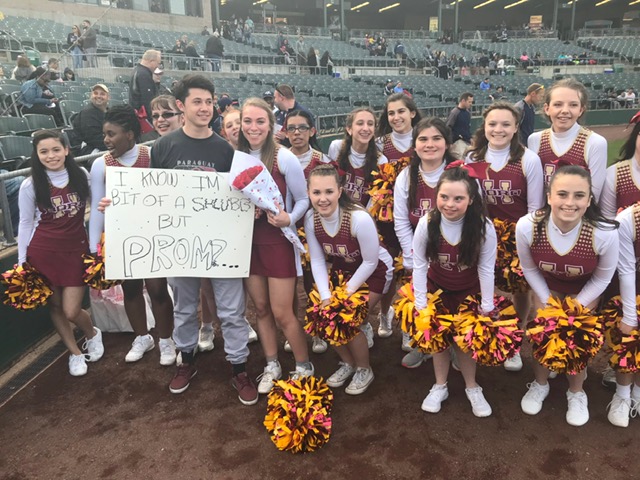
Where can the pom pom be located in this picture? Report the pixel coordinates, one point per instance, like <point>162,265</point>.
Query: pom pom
<point>625,356</point>
<point>508,274</point>
<point>381,190</point>
<point>490,339</point>
<point>299,414</point>
<point>398,268</point>
<point>247,176</point>
<point>565,335</point>
<point>94,269</point>
<point>305,259</point>
<point>26,288</point>
<point>339,322</point>
<point>430,329</point>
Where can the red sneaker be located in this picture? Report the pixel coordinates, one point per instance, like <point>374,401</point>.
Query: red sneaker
<point>184,374</point>
<point>247,391</point>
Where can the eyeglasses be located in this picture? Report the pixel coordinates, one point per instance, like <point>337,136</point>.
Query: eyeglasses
<point>165,115</point>
<point>299,128</point>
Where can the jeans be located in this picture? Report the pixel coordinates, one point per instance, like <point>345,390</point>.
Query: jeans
<point>215,62</point>
<point>92,58</point>
<point>76,53</point>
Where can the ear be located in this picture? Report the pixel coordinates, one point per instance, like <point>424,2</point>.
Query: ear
<point>413,114</point>
<point>312,132</point>
<point>180,105</point>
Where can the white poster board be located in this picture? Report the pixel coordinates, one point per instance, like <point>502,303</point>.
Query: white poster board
<point>175,223</point>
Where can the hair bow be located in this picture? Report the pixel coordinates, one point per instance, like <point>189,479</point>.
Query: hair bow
<point>476,170</point>
<point>335,165</point>
<point>634,119</point>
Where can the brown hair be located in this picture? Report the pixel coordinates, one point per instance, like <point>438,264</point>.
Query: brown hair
<point>572,84</point>
<point>481,143</point>
<point>269,149</point>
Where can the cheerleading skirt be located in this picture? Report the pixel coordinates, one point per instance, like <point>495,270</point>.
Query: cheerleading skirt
<point>274,260</point>
<point>452,298</point>
<point>61,269</point>
<point>389,238</point>
<point>378,282</point>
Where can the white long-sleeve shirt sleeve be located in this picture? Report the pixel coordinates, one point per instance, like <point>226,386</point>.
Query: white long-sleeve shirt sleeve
<point>535,180</point>
<point>317,258</point>
<point>608,201</point>
<point>401,222</point>
<point>96,218</point>
<point>420,263</point>
<point>627,268</point>
<point>296,184</point>
<point>334,149</point>
<point>606,246</point>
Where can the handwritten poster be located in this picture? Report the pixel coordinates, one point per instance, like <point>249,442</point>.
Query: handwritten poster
<point>175,223</point>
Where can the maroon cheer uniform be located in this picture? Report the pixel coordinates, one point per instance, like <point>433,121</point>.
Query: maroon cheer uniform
<point>576,155</point>
<point>426,200</point>
<point>390,151</point>
<point>505,192</point>
<point>627,192</point>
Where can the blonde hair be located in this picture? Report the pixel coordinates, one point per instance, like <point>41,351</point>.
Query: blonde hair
<point>151,55</point>
<point>269,149</point>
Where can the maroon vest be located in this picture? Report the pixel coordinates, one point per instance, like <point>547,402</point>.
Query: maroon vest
<point>447,274</point>
<point>505,192</point>
<point>570,272</point>
<point>390,151</point>
<point>426,200</point>
<point>143,160</point>
<point>627,192</point>
<point>636,242</point>
<point>356,186</point>
<point>343,249</point>
<point>316,159</point>
<point>263,232</point>
<point>61,227</point>
<point>576,155</point>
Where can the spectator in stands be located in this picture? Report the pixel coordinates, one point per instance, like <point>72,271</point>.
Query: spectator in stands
<point>627,98</point>
<point>249,27</point>
<point>280,39</point>
<point>205,31</point>
<point>87,124</point>
<point>237,33</point>
<point>89,43</point>
<point>2,75</point>
<point>214,51</point>
<point>493,64</point>
<point>37,97</point>
<point>483,64</point>
<point>23,69</point>
<point>498,94</point>
<point>192,53</point>
<point>223,105</point>
<point>398,88</point>
<point>184,41</point>
<point>427,54</point>
<point>268,97</point>
<point>326,63</point>
<point>301,53</point>
<point>68,75</point>
<point>312,61</point>
<point>459,121</point>
<point>13,190</point>
<point>527,109</point>
<point>74,47</point>
<point>389,87</point>
<point>177,48</point>
<point>142,87</point>
<point>398,50</point>
<point>524,59</point>
<point>53,65</point>
<point>443,66</point>
<point>485,85</point>
<point>286,102</point>
<point>157,79</point>
<point>501,66</point>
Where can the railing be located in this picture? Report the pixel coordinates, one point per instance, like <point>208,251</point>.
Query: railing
<point>292,29</point>
<point>608,32</point>
<point>358,34</point>
<point>511,34</point>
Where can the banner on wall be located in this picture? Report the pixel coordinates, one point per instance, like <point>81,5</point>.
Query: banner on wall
<point>433,24</point>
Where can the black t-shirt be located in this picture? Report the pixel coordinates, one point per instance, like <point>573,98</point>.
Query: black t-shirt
<point>178,151</point>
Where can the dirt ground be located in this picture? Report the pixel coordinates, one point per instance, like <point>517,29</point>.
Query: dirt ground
<point>121,422</point>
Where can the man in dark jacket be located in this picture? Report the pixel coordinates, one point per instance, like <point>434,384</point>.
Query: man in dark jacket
<point>214,50</point>
<point>89,43</point>
<point>142,88</point>
<point>87,124</point>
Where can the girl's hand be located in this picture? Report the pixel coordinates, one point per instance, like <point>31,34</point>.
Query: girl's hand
<point>325,302</point>
<point>280,220</point>
<point>103,204</point>
<point>257,213</point>
<point>625,329</point>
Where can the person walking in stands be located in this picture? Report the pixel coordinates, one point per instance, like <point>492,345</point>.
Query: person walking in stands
<point>527,109</point>
<point>341,231</point>
<point>52,238</point>
<point>214,51</point>
<point>459,121</point>
<point>142,87</point>
<point>358,156</point>
<point>454,250</point>
<point>73,43</point>
<point>512,185</point>
<point>273,271</point>
<point>89,43</point>
<point>568,234</point>
<point>121,135</point>
<point>567,142</point>
<point>414,196</point>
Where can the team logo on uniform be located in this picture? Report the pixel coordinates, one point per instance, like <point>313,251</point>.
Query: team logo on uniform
<point>501,193</point>
<point>444,259</point>
<point>423,208</point>
<point>549,170</point>
<point>340,251</point>
<point>569,270</point>
<point>354,186</point>
<point>70,207</point>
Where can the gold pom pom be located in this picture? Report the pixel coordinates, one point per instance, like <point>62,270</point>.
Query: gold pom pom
<point>565,335</point>
<point>26,288</point>
<point>508,272</point>
<point>490,339</point>
<point>339,322</point>
<point>94,269</point>
<point>299,414</point>
<point>625,349</point>
<point>305,260</point>
<point>381,190</point>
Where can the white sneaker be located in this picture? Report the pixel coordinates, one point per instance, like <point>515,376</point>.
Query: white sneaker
<point>271,373</point>
<point>340,376</point>
<point>141,345</point>
<point>205,340</point>
<point>167,351</point>
<point>609,377</point>
<point>578,408</point>
<point>414,358</point>
<point>552,375</point>
<point>287,347</point>
<point>385,328</point>
<point>301,372</point>
<point>619,411</point>
<point>318,345</point>
<point>513,364</point>
<point>635,402</point>
<point>433,402</point>
<point>367,329</point>
<point>479,404</point>
<point>253,335</point>
<point>531,403</point>
<point>406,345</point>
<point>360,381</point>
<point>94,346</point>
<point>77,365</point>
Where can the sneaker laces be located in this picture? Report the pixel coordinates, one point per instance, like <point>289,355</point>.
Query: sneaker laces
<point>360,375</point>
<point>578,400</point>
<point>616,405</point>
<point>475,396</point>
<point>242,381</point>
<point>635,408</point>
<point>537,391</point>
<point>269,373</point>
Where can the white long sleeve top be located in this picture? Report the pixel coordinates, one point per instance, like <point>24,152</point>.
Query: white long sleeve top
<point>402,141</point>
<point>627,267</point>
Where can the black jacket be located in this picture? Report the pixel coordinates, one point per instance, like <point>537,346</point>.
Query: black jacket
<point>142,89</point>
<point>87,127</point>
<point>214,46</point>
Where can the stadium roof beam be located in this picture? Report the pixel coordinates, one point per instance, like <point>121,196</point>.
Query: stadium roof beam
<point>515,4</point>
<point>357,7</point>
<point>480,5</point>
<point>389,7</point>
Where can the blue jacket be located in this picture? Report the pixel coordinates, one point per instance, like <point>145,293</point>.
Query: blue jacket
<point>31,93</point>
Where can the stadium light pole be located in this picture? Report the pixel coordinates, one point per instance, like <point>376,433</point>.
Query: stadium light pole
<point>342,30</point>
<point>440,16</point>
<point>216,11</point>
<point>455,23</point>
<point>573,15</point>
<point>554,25</point>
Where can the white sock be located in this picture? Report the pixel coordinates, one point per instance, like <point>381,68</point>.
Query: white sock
<point>623,391</point>
<point>207,327</point>
<point>636,391</point>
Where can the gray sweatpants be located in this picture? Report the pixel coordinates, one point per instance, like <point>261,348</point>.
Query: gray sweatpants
<point>230,303</point>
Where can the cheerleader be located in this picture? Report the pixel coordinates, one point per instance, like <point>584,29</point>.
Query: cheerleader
<point>395,128</point>
<point>566,249</point>
<point>342,231</point>
<point>622,183</point>
<point>512,184</point>
<point>454,250</point>
<point>273,273</point>
<point>121,133</point>
<point>415,194</point>
<point>52,238</point>
<point>625,399</point>
<point>567,142</point>
<point>357,156</point>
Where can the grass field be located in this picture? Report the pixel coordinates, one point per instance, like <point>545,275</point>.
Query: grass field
<point>614,149</point>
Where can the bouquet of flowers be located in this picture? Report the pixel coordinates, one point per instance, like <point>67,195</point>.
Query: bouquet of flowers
<point>249,176</point>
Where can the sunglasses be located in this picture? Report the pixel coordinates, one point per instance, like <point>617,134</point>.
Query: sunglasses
<point>165,115</point>
<point>299,128</point>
